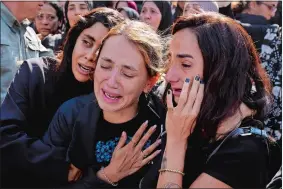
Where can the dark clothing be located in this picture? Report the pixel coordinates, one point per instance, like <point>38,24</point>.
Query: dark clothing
<point>76,128</point>
<point>166,17</point>
<point>240,162</point>
<point>256,26</point>
<point>32,100</point>
<point>227,11</point>
<point>178,13</point>
<point>54,42</point>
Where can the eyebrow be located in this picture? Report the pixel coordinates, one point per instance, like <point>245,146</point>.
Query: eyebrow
<point>90,37</point>
<point>185,56</point>
<point>124,66</point>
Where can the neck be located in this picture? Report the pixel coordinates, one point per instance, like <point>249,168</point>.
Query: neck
<point>14,8</point>
<point>121,116</point>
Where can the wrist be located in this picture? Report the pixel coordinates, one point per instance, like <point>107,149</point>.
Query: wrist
<point>111,174</point>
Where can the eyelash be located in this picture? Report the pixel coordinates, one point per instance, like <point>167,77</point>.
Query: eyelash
<point>108,68</point>
<point>86,42</point>
<point>186,65</point>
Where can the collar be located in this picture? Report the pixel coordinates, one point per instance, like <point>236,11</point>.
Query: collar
<point>7,16</point>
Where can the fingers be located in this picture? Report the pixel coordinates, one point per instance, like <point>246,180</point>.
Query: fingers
<point>145,138</point>
<point>73,173</point>
<point>169,100</point>
<point>151,157</point>
<point>152,147</point>
<point>122,141</point>
<point>198,101</point>
<point>184,95</point>
<point>192,95</point>
<point>138,134</point>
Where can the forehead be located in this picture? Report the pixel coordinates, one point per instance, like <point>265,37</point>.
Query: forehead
<point>97,31</point>
<point>271,2</point>
<point>46,8</point>
<point>129,54</point>
<point>76,3</point>
<point>183,41</point>
<point>150,4</point>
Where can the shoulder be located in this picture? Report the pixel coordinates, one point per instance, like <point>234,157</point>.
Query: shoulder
<point>240,162</point>
<point>77,104</point>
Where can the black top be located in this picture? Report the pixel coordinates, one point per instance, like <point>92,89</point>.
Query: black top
<point>107,137</point>
<point>241,162</point>
<point>32,99</point>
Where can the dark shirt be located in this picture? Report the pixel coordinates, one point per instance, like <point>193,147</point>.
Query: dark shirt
<point>241,162</point>
<point>107,137</point>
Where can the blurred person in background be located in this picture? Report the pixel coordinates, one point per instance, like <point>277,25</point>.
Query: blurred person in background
<point>179,10</point>
<point>72,11</point>
<point>130,4</point>
<point>255,17</point>
<point>196,7</point>
<point>49,20</point>
<point>129,13</point>
<point>158,15</point>
<point>48,25</point>
<point>18,41</point>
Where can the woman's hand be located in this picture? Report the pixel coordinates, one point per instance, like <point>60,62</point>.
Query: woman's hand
<point>180,120</point>
<point>74,173</point>
<point>127,159</point>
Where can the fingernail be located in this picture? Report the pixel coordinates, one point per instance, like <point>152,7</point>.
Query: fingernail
<point>154,127</point>
<point>201,82</point>
<point>187,80</point>
<point>123,133</point>
<point>197,78</point>
<point>146,122</point>
<point>158,151</point>
<point>159,141</point>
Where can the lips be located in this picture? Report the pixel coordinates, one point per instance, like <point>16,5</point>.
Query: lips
<point>85,70</point>
<point>176,91</point>
<point>111,97</point>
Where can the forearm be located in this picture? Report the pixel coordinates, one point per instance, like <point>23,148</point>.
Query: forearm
<point>173,159</point>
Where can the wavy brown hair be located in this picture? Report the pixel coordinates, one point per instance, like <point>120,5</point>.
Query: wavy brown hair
<point>231,68</point>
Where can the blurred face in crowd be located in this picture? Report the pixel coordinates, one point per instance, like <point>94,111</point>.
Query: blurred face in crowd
<point>122,4</point>
<point>46,22</point>
<point>120,76</point>
<point>264,8</point>
<point>186,60</point>
<point>85,49</point>
<point>75,9</point>
<point>151,15</point>
<point>191,8</point>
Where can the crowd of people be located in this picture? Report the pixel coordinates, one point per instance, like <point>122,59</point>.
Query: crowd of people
<point>141,94</point>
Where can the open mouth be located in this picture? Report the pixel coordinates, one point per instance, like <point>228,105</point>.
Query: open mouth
<point>85,69</point>
<point>111,96</point>
<point>176,91</point>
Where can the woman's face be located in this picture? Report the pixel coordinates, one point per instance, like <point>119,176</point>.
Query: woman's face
<point>85,49</point>
<point>75,9</point>
<point>120,76</point>
<point>46,22</point>
<point>122,4</point>
<point>151,14</point>
<point>186,60</point>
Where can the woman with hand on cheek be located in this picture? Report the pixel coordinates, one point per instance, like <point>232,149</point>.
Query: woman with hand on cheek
<point>231,91</point>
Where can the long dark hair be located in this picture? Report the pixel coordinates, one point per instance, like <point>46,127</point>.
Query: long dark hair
<point>231,69</point>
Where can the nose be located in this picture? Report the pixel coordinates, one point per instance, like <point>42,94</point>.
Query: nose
<point>112,81</point>
<point>90,56</point>
<point>172,76</point>
<point>45,21</point>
